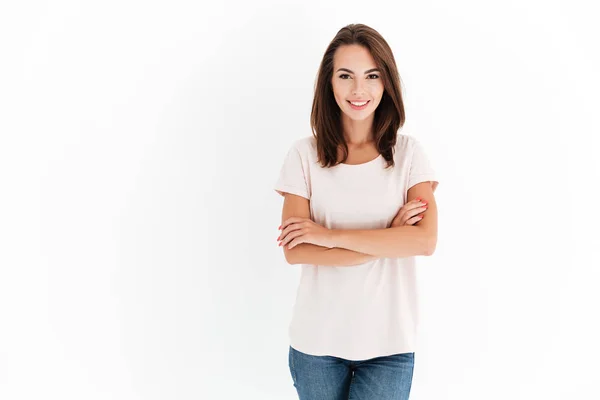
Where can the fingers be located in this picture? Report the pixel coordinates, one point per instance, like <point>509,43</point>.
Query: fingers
<point>415,203</point>
<point>294,220</point>
<point>414,220</point>
<point>408,213</point>
<point>291,227</point>
<point>290,236</point>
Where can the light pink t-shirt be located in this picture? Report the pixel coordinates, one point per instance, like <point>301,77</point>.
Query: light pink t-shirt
<point>367,310</point>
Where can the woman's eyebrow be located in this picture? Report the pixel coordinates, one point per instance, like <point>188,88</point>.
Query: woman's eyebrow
<point>366,72</point>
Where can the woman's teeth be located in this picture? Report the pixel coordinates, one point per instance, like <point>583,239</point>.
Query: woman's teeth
<point>358,105</point>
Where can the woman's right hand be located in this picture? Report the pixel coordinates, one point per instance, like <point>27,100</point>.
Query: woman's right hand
<point>409,213</point>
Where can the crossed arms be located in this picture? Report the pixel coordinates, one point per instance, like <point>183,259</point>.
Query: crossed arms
<point>357,246</point>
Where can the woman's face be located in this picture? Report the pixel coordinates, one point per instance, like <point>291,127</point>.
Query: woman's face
<point>357,79</point>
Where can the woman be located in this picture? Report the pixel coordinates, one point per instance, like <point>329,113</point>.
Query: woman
<point>358,208</point>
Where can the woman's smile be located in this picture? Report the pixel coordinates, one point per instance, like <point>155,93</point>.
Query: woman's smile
<point>359,105</point>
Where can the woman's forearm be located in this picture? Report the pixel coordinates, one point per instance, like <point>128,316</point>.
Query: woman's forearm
<point>308,253</point>
<point>399,241</point>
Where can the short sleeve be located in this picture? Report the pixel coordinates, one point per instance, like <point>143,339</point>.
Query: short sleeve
<point>421,168</point>
<point>293,177</point>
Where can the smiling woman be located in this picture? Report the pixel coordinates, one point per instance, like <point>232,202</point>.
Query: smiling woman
<point>348,87</point>
<point>356,309</point>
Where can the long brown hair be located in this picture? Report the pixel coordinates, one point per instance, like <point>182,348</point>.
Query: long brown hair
<point>325,118</point>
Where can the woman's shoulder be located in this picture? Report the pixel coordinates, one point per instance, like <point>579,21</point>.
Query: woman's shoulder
<point>404,144</point>
<point>404,140</point>
<point>308,140</point>
<point>306,145</point>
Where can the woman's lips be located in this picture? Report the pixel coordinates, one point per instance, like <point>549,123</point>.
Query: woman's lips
<point>357,107</point>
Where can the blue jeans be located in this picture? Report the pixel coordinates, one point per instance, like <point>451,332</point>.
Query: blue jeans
<point>334,378</point>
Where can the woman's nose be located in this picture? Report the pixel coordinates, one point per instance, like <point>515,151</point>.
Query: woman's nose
<point>356,90</point>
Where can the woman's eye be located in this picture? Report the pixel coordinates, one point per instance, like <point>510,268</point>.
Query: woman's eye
<point>374,75</point>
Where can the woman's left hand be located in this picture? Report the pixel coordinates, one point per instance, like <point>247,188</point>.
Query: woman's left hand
<point>296,230</point>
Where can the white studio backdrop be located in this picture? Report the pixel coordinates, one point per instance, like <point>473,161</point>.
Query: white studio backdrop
<point>139,145</point>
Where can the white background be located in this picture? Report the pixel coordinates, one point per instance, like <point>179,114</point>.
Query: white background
<point>140,141</point>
